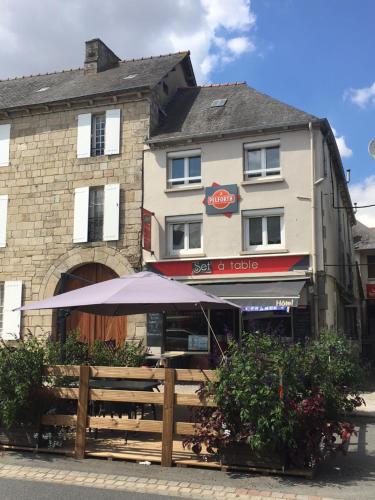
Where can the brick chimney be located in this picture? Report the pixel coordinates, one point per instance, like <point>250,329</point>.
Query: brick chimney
<point>99,57</point>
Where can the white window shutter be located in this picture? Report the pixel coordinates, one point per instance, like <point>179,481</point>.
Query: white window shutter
<point>81,215</point>
<point>111,212</point>
<point>11,318</point>
<point>4,144</point>
<point>3,220</point>
<point>84,136</point>
<point>112,132</point>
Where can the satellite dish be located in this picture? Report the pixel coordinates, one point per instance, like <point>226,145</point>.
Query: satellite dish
<point>371,148</point>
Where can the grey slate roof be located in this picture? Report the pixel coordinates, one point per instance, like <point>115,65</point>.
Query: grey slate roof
<point>189,113</point>
<point>364,237</point>
<point>74,84</point>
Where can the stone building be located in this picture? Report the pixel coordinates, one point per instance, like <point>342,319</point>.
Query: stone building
<point>71,166</point>
<point>249,200</point>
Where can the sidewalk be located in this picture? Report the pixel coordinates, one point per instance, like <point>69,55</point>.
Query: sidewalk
<point>342,477</point>
<point>369,409</point>
<point>163,487</point>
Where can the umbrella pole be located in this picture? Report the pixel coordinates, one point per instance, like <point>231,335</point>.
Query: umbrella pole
<point>212,331</point>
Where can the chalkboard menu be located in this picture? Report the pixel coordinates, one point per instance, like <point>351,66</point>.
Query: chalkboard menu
<point>301,324</point>
<point>154,329</point>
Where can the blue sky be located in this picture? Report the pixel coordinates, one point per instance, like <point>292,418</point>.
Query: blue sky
<point>314,54</point>
<point>310,54</point>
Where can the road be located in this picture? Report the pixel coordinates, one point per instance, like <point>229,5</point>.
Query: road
<point>33,490</point>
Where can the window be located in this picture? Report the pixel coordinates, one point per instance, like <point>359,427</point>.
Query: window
<point>1,309</point>
<point>263,229</point>
<point>184,168</point>
<point>98,135</point>
<point>4,144</point>
<point>186,332</point>
<point>3,219</point>
<point>184,235</point>
<point>96,214</point>
<point>10,316</point>
<point>218,103</point>
<point>371,266</point>
<point>262,159</point>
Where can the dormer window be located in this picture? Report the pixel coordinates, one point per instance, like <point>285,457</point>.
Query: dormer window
<point>218,103</point>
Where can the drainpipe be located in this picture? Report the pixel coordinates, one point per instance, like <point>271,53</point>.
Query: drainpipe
<point>313,233</point>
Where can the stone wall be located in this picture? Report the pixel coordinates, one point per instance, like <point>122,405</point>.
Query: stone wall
<point>40,182</point>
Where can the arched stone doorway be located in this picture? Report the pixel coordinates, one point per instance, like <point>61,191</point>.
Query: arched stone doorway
<point>93,327</point>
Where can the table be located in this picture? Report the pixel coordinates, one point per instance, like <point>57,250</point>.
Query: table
<point>166,358</point>
<point>124,385</point>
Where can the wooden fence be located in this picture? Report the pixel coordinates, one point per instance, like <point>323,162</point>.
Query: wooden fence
<point>169,399</point>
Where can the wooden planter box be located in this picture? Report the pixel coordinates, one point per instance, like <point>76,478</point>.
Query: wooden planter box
<point>26,437</point>
<point>240,454</point>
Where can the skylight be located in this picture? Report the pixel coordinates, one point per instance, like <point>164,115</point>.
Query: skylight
<point>129,77</point>
<point>217,103</point>
<point>42,89</point>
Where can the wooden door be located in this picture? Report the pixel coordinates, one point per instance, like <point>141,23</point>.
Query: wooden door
<point>91,326</point>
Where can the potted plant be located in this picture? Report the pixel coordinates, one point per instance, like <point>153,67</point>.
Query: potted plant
<point>276,405</point>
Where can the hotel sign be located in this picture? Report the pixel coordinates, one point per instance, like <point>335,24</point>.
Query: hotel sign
<point>221,199</point>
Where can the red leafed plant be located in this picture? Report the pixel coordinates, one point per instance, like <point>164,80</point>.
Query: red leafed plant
<point>287,399</point>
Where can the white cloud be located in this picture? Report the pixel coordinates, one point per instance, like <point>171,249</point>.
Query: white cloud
<point>216,31</point>
<point>239,45</point>
<point>364,194</point>
<point>344,149</point>
<point>362,97</point>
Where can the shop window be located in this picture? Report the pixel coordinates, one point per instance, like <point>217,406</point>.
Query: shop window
<point>371,266</point>
<point>263,229</point>
<point>184,168</point>
<point>187,332</point>
<point>277,323</point>
<point>184,235</point>
<point>262,160</point>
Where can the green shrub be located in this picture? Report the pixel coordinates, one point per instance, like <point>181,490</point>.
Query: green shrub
<point>20,377</point>
<point>72,352</point>
<point>100,353</point>
<point>288,399</point>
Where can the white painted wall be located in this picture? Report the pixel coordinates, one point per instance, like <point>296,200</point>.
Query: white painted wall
<point>222,162</point>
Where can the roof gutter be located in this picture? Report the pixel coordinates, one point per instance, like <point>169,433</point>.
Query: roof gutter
<point>228,133</point>
<point>79,99</point>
